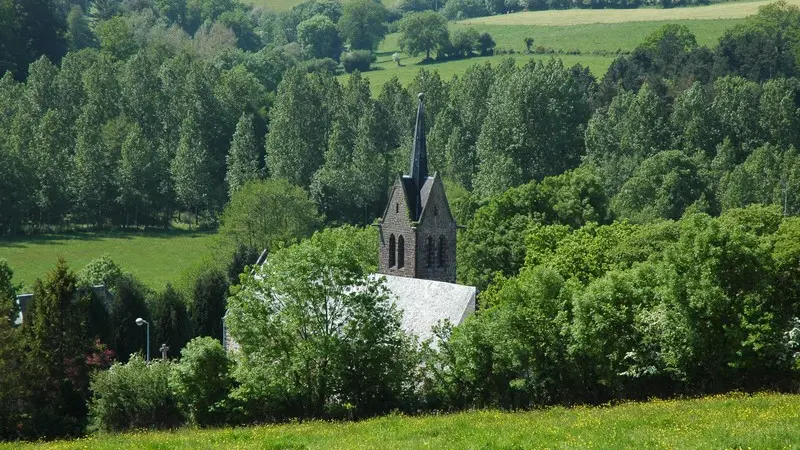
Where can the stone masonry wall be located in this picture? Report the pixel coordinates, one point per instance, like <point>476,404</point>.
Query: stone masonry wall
<point>436,222</point>
<point>397,222</point>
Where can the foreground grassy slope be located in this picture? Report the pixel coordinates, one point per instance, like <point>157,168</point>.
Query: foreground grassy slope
<point>154,257</point>
<point>761,421</point>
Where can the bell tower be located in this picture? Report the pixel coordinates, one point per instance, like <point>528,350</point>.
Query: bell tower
<point>417,231</point>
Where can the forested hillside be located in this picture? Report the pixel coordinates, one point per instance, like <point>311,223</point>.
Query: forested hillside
<point>145,123</point>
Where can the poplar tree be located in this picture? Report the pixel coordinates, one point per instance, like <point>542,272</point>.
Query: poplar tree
<point>243,159</point>
<point>135,174</point>
<point>191,168</point>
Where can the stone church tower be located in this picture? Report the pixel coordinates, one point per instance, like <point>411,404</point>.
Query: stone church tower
<point>417,231</point>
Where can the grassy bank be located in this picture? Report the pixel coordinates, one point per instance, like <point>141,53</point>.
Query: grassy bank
<point>154,257</point>
<point>763,421</point>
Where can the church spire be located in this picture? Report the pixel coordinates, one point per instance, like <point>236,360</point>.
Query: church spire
<point>419,153</point>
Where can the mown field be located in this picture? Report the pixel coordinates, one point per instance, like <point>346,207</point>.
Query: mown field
<point>605,38</point>
<point>154,257</point>
<point>763,421</point>
<point>724,10</point>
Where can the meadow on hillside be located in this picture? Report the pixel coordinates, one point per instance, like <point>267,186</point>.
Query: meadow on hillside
<point>587,39</point>
<point>154,257</point>
<point>733,421</point>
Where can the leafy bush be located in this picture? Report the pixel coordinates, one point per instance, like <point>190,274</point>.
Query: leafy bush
<point>318,336</point>
<point>201,381</point>
<point>134,395</point>
<point>357,60</point>
<point>464,41</point>
<point>102,270</point>
<point>485,44</point>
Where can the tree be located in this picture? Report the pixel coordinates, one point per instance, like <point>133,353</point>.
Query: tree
<point>423,32</point>
<point>12,395</point>
<point>300,124</point>
<point>130,303</point>
<point>267,215</point>
<point>79,34</point>
<point>464,41</point>
<point>243,159</point>
<point>209,296</point>
<point>56,347</point>
<point>321,330</point>
<point>662,187</point>
<point>319,37</point>
<point>102,270</point>
<point>190,168</point>
<point>201,381</point>
<point>137,174</point>
<point>30,29</point>
<point>533,127</point>
<point>363,24</point>
<point>134,395</point>
<point>170,321</point>
<point>528,43</point>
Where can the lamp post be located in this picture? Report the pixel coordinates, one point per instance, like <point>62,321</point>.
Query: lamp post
<point>140,322</point>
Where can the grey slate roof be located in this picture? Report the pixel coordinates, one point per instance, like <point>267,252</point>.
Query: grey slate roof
<point>425,302</point>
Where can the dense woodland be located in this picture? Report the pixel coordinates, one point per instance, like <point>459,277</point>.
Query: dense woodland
<point>632,236</point>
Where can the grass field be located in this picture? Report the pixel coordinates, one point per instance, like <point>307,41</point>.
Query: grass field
<point>726,10</point>
<point>763,421</point>
<point>154,257</point>
<point>608,37</point>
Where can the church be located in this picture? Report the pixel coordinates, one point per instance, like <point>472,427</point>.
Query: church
<point>417,246</point>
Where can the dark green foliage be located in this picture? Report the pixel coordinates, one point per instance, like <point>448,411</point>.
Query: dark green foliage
<point>363,24</point>
<point>494,242</point>
<point>55,376</point>
<point>360,60</point>
<point>28,30</point>
<point>171,324</point>
<point>663,186</point>
<point>209,299</point>
<point>423,32</point>
<point>134,395</point>
<point>243,256</point>
<point>130,303</point>
<point>526,137</point>
<point>319,37</point>
<point>629,311</point>
<point>201,381</point>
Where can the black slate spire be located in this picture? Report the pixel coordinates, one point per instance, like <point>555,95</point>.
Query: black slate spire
<point>419,154</point>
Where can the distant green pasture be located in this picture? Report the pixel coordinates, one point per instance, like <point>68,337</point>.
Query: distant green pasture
<point>154,257</point>
<point>608,37</point>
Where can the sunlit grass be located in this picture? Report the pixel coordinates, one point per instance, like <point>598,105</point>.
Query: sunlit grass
<point>724,10</point>
<point>763,421</point>
<point>154,257</point>
<point>606,39</point>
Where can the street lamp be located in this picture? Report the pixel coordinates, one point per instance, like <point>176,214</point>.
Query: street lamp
<point>140,322</point>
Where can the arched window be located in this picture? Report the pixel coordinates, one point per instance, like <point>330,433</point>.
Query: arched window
<point>401,252</point>
<point>429,252</point>
<point>391,250</point>
<point>442,251</point>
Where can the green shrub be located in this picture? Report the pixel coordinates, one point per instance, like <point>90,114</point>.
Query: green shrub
<point>357,60</point>
<point>201,381</point>
<point>134,395</point>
